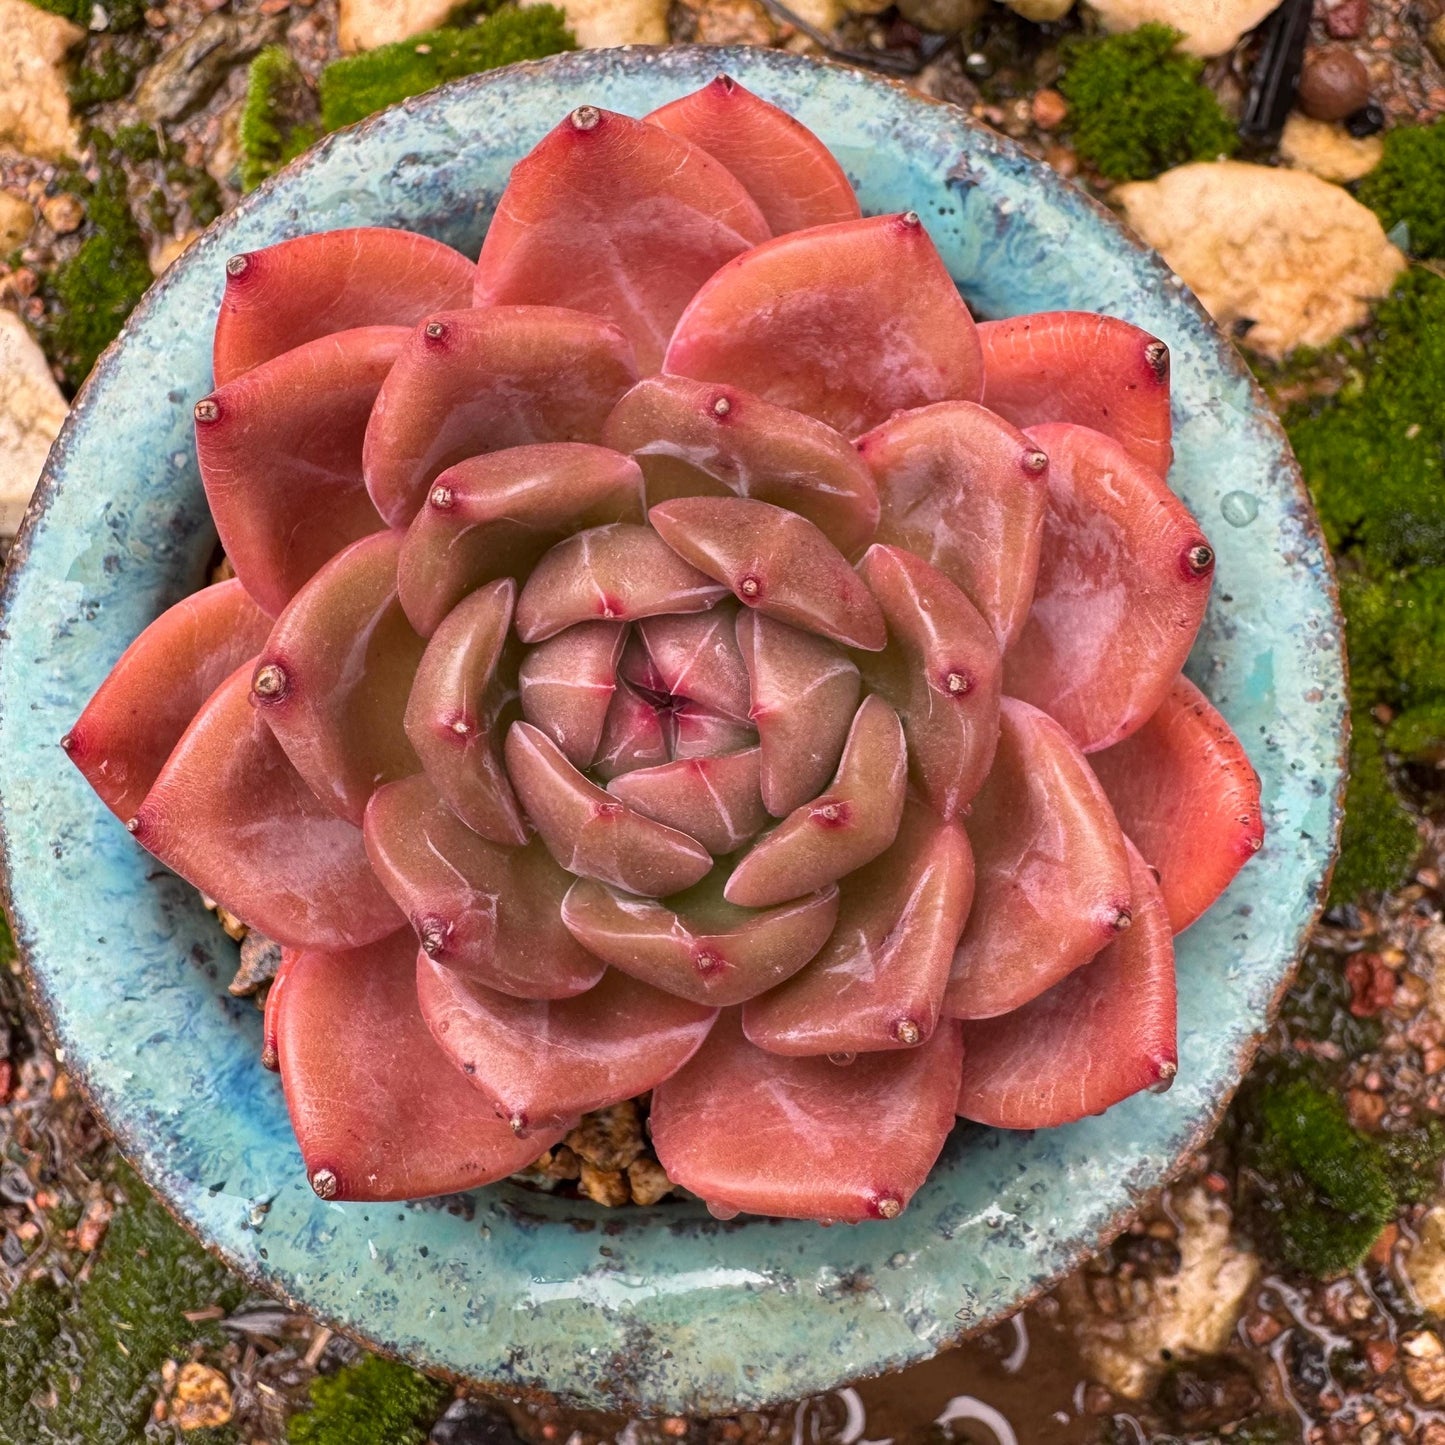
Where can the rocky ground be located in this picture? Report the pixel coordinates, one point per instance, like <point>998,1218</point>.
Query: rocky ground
<point>1291,1285</point>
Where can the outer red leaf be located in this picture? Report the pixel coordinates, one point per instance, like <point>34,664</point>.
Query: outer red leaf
<point>139,712</point>
<point>545,1062</point>
<point>805,1138</point>
<point>612,215</point>
<point>280,455</point>
<point>700,438</point>
<point>379,1110</point>
<point>941,672</point>
<point>1105,1032</point>
<point>1124,575</point>
<point>454,713</point>
<point>333,679</point>
<point>488,911</point>
<point>232,816</point>
<point>966,491</point>
<point>1053,883</point>
<point>788,171</point>
<point>1184,791</point>
<point>470,382</point>
<point>847,323</point>
<point>290,293</point>
<point>1075,366</point>
<point>879,981</point>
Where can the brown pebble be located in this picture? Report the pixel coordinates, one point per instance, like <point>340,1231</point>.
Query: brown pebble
<point>1048,109</point>
<point>63,213</point>
<point>1434,1060</point>
<point>1384,1245</point>
<point>1333,83</point>
<point>609,1139</point>
<point>1063,160</point>
<point>604,1186</point>
<point>1366,1109</point>
<point>648,1179</point>
<point>201,1398</point>
<point>1260,1327</point>
<point>1380,1355</point>
<point>1345,19</point>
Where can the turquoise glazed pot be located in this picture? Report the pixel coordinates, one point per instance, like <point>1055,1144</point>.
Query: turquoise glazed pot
<point>663,1309</point>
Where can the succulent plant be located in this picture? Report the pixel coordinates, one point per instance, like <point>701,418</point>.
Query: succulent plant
<point>683,653</point>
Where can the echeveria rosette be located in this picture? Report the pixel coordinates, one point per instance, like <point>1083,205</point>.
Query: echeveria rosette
<point>683,653</point>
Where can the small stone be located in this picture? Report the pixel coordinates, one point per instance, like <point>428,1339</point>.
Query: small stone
<point>648,1179</point>
<point>598,24</point>
<point>1328,151</point>
<point>1424,1366</point>
<point>17,220</point>
<point>604,1186</point>
<point>200,1398</point>
<point>186,76</point>
<point>1296,258</point>
<point>62,213</point>
<point>470,1422</point>
<point>1041,12</point>
<point>609,1138</point>
<point>1209,27</point>
<point>1370,120</point>
<point>35,114</point>
<point>93,1224</point>
<point>31,411</point>
<point>1063,160</point>
<point>1435,39</point>
<point>170,251</point>
<point>1366,1109</point>
<point>1333,83</point>
<point>260,958</point>
<point>559,1163</point>
<point>724,22</point>
<point>1049,109</point>
<point>943,17</point>
<point>1345,19</point>
<point>1424,1266</point>
<point>1380,1355</point>
<point>365,24</point>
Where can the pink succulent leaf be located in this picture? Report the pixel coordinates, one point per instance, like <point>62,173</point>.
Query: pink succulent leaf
<point>879,981</point>
<point>1124,576</point>
<point>941,671</point>
<point>775,562</point>
<point>1103,1033</point>
<point>636,733</point>
<point>847,825</point>
<point>567,685</point>
<point>494,516</point>
<point>1093,371</point>
<point>485,910</point>
<point>713,798</point>
<point>1184,791</point>
<point>593,834</point>
<point>454,715</point>
<point>230,814</point>
<point>803,693</point>
<point>787,170</point>
<point>966,491</point>
<point>295,291</point>
<point>130,727</point>
<point>805,1138</point>
<point>694,655</point>
<point>846,323</point>
<point>616,573</point>
<point>697,732</point>
<point>280,456</point>
<point>699,438</point>
<point>471,382</point>
<point>542,1063</point>
<point>696,944</point>
<point>333,679</point>
<point>1052,875</point>
<point>611,215</point>
<point>379,1110</point>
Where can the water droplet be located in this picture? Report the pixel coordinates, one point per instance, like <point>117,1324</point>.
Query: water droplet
<point>1240,508</point>
<point>841,1059</point>
<point>721,1211</point>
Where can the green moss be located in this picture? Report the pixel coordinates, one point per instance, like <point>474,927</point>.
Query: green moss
<point>1380,839</point>
<point>108,67</point>
<point>1408,184</point>
<point>1374,456</point>
<point>97,288</point>
<point>278,120</point>
<point>357,87</point>
<point>137,143</point>
<point>29,1329</point>
<point>373,1402</point>
<point>1138,106</point>
<point>1326,1193</point>
<point>1412,1161</point>
<point>122,14</point>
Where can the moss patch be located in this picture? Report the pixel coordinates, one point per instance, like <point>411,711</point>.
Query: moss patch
<point>90,1369</point>
<point>357,87</point>
<point>96,289</point>
<point>107,68</point>
<point>279,119</point>
<point>123,14</point>
<point>1408,184</point>
<point>1326,1191</point>
<point>373,1402</point>
<point>1138,106</point>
